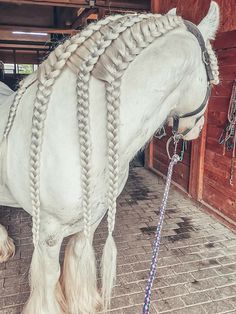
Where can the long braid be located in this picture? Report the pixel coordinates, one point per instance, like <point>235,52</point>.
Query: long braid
<point>142,35</point>
<point>4,144</point>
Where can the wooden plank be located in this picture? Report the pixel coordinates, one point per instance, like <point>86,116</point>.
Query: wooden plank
<point>149,155</point>
<point>217,118</point>
<point>219,199</point>
<point>22,57</point>
<point>140,5</point>
<point>220,105</point>
<point>9,47</point>
<point>26,15</point>
<point>11,28</point>
<point>227,15</point>
<point>162,7</point>
<point>222,90</point>
<point>227,57</point>
<point>180,177</point>
<point>160,148</point>
<point>9,36</point>
<point>225,40</point>
<point>63,3</point>
<point>227,72</point>
<point>198,11</point>
<point>195,187</point>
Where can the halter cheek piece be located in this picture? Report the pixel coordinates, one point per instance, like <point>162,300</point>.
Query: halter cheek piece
<point>192,28</point>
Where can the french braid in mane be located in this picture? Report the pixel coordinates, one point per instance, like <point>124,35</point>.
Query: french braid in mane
<point>3,146</point>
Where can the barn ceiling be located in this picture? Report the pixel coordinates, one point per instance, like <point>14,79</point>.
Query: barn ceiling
<point>38,25</point>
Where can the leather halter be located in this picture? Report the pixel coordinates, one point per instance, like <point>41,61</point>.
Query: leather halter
<point>192,28</point>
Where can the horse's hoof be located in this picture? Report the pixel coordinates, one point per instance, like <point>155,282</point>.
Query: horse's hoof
<point>7,247</point>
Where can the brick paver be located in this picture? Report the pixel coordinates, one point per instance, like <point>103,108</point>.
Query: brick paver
<point>197,263</point>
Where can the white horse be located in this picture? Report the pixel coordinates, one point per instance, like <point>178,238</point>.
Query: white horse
<point>70,131</point>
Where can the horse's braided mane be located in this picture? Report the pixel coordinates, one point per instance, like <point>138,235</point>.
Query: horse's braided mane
<point>105,50</point>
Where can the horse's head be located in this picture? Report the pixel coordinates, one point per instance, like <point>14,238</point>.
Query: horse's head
<point>188,116</point>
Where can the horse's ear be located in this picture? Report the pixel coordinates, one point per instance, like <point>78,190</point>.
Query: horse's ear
<point>172,11</point>
<point>210,23</point>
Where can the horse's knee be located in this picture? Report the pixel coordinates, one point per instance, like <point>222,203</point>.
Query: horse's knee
<point>46,294</point>
<point>7,247</point>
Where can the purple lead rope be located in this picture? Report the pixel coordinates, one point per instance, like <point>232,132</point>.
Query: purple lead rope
<point>156,245</point>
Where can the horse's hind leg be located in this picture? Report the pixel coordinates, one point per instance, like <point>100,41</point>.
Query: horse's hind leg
<point>79,279</point>
<point>46,295</point>
<point>7,247</point>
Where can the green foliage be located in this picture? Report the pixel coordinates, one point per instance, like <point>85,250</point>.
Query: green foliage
<point>25,68</point>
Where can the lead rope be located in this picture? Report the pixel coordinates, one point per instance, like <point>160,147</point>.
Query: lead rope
<point>156,245</point>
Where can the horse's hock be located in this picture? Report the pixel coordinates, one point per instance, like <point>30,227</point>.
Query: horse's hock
<point>197,264</point>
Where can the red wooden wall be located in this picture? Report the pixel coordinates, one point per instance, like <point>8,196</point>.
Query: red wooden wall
<point>205,171</point>
<point>217,190</point>
<point>161,161</point>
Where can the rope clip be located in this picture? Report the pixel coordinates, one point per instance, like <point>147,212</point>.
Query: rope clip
<point>175,138</point>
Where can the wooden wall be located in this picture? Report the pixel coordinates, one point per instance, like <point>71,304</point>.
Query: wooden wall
<point>161,161</point>
<point>217,190</point>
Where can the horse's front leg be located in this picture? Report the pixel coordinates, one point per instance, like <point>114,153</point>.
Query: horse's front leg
<point>79,277</point>
<point>46,296</point>
<point>7,247</point>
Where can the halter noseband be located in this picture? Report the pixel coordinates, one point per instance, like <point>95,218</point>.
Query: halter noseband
<point>192,28</point>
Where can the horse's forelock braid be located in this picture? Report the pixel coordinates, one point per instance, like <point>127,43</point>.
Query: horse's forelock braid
<point>213,63</point>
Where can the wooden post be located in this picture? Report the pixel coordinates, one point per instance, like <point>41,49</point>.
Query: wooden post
<point>155,6</point>
<point>197,164</point>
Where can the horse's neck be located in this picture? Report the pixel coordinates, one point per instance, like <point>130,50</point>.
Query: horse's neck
<point>151,88</point>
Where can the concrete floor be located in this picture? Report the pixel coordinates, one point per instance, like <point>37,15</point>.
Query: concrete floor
<point>197,264</point>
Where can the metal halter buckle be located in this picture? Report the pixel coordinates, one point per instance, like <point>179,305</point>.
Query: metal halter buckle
<point>205,57</point>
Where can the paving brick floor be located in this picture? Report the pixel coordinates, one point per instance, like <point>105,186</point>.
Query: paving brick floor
<point>197,264</point>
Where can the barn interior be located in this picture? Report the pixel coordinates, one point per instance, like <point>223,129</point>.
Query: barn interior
<point>204,182</point>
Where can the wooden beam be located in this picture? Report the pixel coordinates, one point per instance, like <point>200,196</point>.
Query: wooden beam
<point>197,164</point>
<point>10,36</point>
<point>101,13</point>
<point>155,6</point>
<point>21,57</point>
<point>62,3</point>
<point>81,19</point>
<point>16,46</point>
<point>11,28</point>
<point>162,7</point>
<point>137,4</point>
